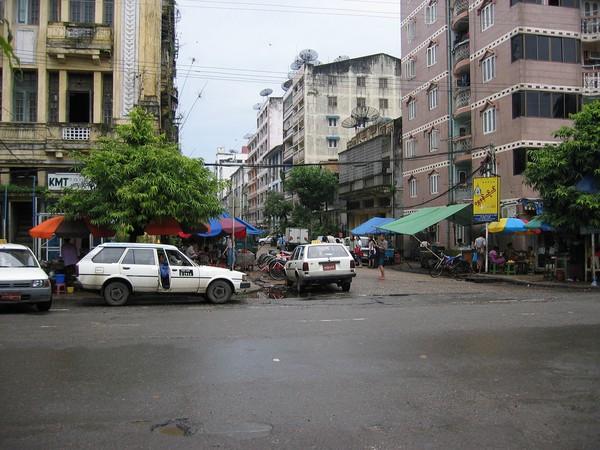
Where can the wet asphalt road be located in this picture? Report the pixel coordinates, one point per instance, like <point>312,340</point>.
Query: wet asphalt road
<point>435,370</point>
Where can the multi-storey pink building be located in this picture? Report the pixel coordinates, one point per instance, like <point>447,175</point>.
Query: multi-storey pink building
<point>488,78</point>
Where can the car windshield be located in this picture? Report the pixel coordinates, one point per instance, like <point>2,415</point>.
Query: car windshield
<point>326,251</point>
<point>17,258</point>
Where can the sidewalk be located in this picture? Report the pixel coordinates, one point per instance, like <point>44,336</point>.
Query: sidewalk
<point>403,280</point>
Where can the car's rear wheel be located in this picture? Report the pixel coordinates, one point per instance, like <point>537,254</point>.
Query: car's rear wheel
<point>44,306</point>
<point>116,294</point>
<point>219,291</point>
<point>300,287</point>
<point>346,285</point>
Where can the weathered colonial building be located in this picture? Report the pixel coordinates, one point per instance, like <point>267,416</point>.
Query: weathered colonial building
<point>83,66</point>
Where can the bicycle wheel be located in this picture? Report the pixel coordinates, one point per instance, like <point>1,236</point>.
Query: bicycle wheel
<point>436,267</point>
<point>463,269</point>
<point>277,270</point>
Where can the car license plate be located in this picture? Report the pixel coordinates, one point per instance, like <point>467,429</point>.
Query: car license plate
<point>10,296</point>
<point>329,266</point>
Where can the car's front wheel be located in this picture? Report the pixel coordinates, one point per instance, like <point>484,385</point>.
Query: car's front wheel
<point>44,306</point>
<point>219,291</point>
<point>116,294</point>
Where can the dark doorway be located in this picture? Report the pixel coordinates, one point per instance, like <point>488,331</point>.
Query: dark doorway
<point>79,107</point>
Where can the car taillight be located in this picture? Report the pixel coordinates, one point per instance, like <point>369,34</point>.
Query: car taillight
<point>352,264</point>
<point>305,267</point>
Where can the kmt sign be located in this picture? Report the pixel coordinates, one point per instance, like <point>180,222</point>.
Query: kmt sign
<point>59,181</point>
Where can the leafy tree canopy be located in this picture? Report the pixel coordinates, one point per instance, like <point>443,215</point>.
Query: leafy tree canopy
<point>137,177</point>
<point>554,170</point>
<point>277,207</point>
<point>313,186</point>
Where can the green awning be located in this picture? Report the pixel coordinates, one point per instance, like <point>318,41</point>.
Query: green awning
<point>425,217</point>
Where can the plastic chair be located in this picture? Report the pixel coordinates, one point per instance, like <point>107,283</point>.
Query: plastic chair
<point>511,269</point>
<point>495,268</point>
<point>61,288</point>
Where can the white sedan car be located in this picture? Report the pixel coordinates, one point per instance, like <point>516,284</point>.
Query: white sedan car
<point>319,264</point>
<point>22,280</point>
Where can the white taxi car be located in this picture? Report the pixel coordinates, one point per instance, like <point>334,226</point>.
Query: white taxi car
<point>117,270</point>
<point>318,264</point>
<point>22,280</point>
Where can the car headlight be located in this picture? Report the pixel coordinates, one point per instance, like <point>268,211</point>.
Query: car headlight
<point>40,283</point>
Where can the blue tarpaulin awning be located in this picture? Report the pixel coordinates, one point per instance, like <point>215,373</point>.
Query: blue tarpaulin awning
<point>371,226</point>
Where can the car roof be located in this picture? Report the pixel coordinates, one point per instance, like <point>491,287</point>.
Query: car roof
<point>137,245</point>
<point>14,246</point>
<point>323,243</point>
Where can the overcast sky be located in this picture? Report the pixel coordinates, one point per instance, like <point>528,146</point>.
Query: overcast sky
<point>229,51</point>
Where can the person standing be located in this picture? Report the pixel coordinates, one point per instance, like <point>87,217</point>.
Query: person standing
<point>372,251</point>
<point>382,248</point>
<point>68,253</point>
<point>480,247</point>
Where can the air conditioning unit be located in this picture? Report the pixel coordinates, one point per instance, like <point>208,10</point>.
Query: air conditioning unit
<point>594,55</point>
<point>509,211</point>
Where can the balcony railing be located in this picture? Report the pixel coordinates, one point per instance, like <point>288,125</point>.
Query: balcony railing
<point>591,78</point>
<point>462,144</point>
<point>461,51</point>
<point>460,6</point>
<point>590,25</point>
<point>82,39</point>
<point>463,193</point>
<point>462,98</point>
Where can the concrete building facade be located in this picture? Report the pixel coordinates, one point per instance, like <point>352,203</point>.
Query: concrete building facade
<point>320,97</point>
<point>83,66</point>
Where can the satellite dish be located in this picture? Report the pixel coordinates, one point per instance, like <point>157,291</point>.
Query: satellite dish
<point>286,85</point>
<point>297,64</point>
<point>341,58</point>
<point>291,75</point>
<point>360,116</point>
<point>308,55</point>
<point>257,106</point>
<point>248,135</point>
<point>266,92</point>
<point>316,62</point>
<point>350,122</point>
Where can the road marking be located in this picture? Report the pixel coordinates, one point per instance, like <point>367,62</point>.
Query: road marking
<point>332,320</point>
<point>48,326</point>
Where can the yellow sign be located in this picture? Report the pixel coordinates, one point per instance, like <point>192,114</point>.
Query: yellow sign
<point>486,199</point>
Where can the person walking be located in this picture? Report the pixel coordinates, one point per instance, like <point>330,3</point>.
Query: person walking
<point>381,251</point>
<point>372,251</point>
<point>480,247</point>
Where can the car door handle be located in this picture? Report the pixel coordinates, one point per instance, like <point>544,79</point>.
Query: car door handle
<point>126,268</point>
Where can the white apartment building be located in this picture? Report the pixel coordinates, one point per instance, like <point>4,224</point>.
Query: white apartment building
<point>265,156</point>
<point>321,97</point>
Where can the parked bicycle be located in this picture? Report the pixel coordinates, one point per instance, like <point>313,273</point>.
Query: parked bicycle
<point>455,266</point>
<point>274,265</point>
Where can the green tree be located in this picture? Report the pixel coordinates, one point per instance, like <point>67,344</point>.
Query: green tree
<point>137,177</point>
<point>277,209</point>
<point>313,185</point>
<point>554,170</point>
<point>6,44</point>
